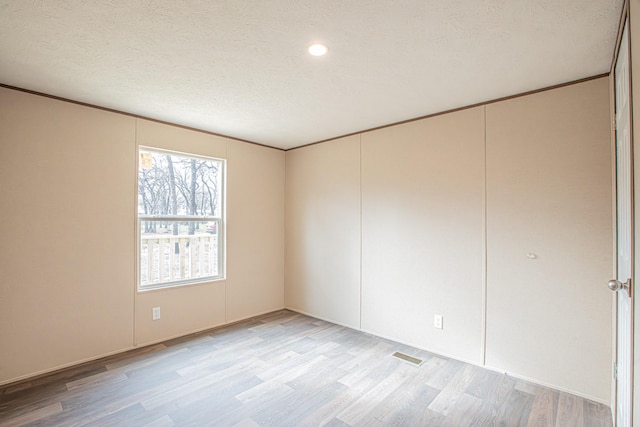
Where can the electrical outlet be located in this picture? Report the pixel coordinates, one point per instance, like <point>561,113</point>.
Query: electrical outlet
<point>155,313</point>
<point>437,321</point>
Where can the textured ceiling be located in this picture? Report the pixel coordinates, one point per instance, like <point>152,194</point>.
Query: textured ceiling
<point>240,68</point>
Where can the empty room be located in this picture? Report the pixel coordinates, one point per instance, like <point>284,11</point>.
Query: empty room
<point>309,213</point>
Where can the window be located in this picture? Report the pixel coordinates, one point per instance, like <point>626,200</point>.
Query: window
<point>180,219</point>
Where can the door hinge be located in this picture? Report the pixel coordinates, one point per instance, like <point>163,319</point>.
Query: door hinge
<point>615,371</point>
<point>613,122</point>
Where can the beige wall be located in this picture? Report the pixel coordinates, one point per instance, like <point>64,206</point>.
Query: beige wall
<point>67,177</point>
<point>423,225</point>
<point>422,232</point>
<point>68,287</point>
<point>73,298</point>
<point>549,194</point>
<point>255,248</point>
<point>323,231</point>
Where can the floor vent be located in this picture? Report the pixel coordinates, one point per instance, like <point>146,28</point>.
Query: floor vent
<point>407,358</point>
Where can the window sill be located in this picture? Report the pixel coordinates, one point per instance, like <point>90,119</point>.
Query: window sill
<point>180,285</point>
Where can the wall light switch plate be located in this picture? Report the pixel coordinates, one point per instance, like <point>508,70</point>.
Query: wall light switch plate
<point>437,321</point>
<point>155,313</point>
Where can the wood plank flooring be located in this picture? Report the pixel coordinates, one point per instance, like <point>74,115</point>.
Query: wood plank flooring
<point>286,369</point>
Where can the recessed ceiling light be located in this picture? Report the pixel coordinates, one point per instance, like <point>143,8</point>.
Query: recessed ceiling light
<point>318,49</point>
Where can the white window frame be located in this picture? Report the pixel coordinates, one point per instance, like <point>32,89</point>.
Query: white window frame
<point>219,220</point>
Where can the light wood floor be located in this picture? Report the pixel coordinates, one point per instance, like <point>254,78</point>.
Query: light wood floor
<point>286,369</point>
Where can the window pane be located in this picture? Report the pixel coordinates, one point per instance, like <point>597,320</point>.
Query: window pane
<point>180,208</point>
<point>178,251</point>
<point>171,184</point>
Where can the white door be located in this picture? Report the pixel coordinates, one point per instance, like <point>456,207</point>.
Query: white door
<point>623,284</point>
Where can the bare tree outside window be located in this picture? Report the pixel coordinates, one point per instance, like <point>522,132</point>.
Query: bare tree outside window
<point>180,218</point>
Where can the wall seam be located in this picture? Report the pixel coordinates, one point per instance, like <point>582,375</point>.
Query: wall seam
<point>484,242</point>
<point>226,220</point>
<point>284,237</point>
<point>360,173</point>
<point>135,232</point>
